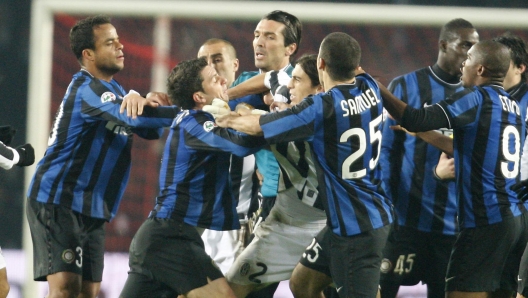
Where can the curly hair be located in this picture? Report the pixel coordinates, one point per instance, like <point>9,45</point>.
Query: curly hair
<point>184,80</point>
<point>82,34</point>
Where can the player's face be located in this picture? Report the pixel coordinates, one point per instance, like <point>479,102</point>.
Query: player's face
<point>470,68</point>
<point>214,86</point>
<point>268,45</point>
<point>108,53</point>
<point>513,76</point>
<point>300,85</point>
<point>221,59</point>
<point>457,49</point>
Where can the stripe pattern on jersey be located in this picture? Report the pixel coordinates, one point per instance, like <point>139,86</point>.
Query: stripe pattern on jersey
<point>489,133</point>
<point>420,201</point>
<point>195,185</point>
<point>344,126</point>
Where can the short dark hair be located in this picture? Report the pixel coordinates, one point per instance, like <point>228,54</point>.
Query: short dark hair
<point>341,54</point>
<point>450,30</point>
<point>309,65</point>
<point>184,80</point>
<point>518,50</point>
<point>229,46</point>
<point>82,34</point>
<point>494,56</point>
<point>292,30</point>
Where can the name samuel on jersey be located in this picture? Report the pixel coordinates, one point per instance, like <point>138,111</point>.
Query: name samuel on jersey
<point>360,103</point>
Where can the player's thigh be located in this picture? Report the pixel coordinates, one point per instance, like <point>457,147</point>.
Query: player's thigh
<point>57,239</point>
<point>272,255</point>
<point>172,253</point>
<point>355,262</point>
<point>139,286</point>
<point>401,257</point>
<point>479,257</point>
<point>307,279</point>
<point>215,288</point>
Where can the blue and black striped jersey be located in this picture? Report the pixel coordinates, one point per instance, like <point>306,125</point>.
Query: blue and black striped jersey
<point>87,162</point>
<point>194,180</point>
<point>407,162</point>
<point>489,134</point>
<point>344,127</point>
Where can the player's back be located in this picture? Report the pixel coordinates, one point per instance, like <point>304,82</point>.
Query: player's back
<point>347,143</point>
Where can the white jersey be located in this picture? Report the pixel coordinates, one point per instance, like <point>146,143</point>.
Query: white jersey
<point>292,223</point>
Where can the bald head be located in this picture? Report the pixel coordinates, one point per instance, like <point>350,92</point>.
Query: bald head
<point>222,56</point>
<point>494,56</point>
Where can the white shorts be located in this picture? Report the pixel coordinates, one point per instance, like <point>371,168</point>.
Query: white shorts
<point>278,244</point>
<point>223,247</point>
<point>2,260</point>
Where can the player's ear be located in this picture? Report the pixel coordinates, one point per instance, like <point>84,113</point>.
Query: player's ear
<point>198,97</point>
<point>290,49</point>
<point>236,64</point>
<point>442,45</point>
<point>320,63</point>
<point>88,54</point>
<point>481,70</point>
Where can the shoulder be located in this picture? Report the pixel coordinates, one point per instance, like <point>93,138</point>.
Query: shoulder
<point>244,76</point>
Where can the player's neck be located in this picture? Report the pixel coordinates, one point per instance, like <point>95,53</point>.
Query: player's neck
<point>97,73</point>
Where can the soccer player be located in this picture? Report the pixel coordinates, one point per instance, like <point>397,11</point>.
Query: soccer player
<point>277,38</point>
<point>79,182</point>
<point>489,132</point>
<point>225,246</point>
<point>515,84</point>
<point>344,127</point>
<point>420,242</point>
<point>297,215</point>
<point>167,255</point>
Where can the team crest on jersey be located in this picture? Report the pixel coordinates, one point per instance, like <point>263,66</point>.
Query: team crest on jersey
<point>244,269</point>
<point>209,125</point>
<point>68,256</point>
<point>108,96</point>
<point>386,266</point>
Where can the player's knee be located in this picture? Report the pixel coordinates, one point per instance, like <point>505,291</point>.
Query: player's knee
<point>70,289</point>
<point>298,289</point>
<point>4,289</point>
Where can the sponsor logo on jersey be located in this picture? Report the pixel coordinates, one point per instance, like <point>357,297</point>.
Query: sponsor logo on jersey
<point>209,125</point>
<point>68,256</point>
<point>244,269</point>
<point>108,96</point>
<point>386,266</point>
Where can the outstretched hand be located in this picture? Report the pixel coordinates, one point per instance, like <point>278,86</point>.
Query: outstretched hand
<point>401,128</point>
<point>134,103</point>
<point>521,188</point>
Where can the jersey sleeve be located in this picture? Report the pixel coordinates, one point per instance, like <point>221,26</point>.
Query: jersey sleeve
<point>277,82</point>
<point>462,107</point>
<point>293,124</point>
<point>106,106</point>
<point>202,133</point>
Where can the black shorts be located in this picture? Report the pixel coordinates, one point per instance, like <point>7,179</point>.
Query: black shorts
<point>487,258</point>
<point>411,256</point>
<point>355,262</point>
<point>522,279</point>
<point>166,254</point>
<point>317,254</point>
<point>65,241</point>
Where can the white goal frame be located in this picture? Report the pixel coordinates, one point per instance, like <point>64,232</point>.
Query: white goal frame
<point>41,42</point>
